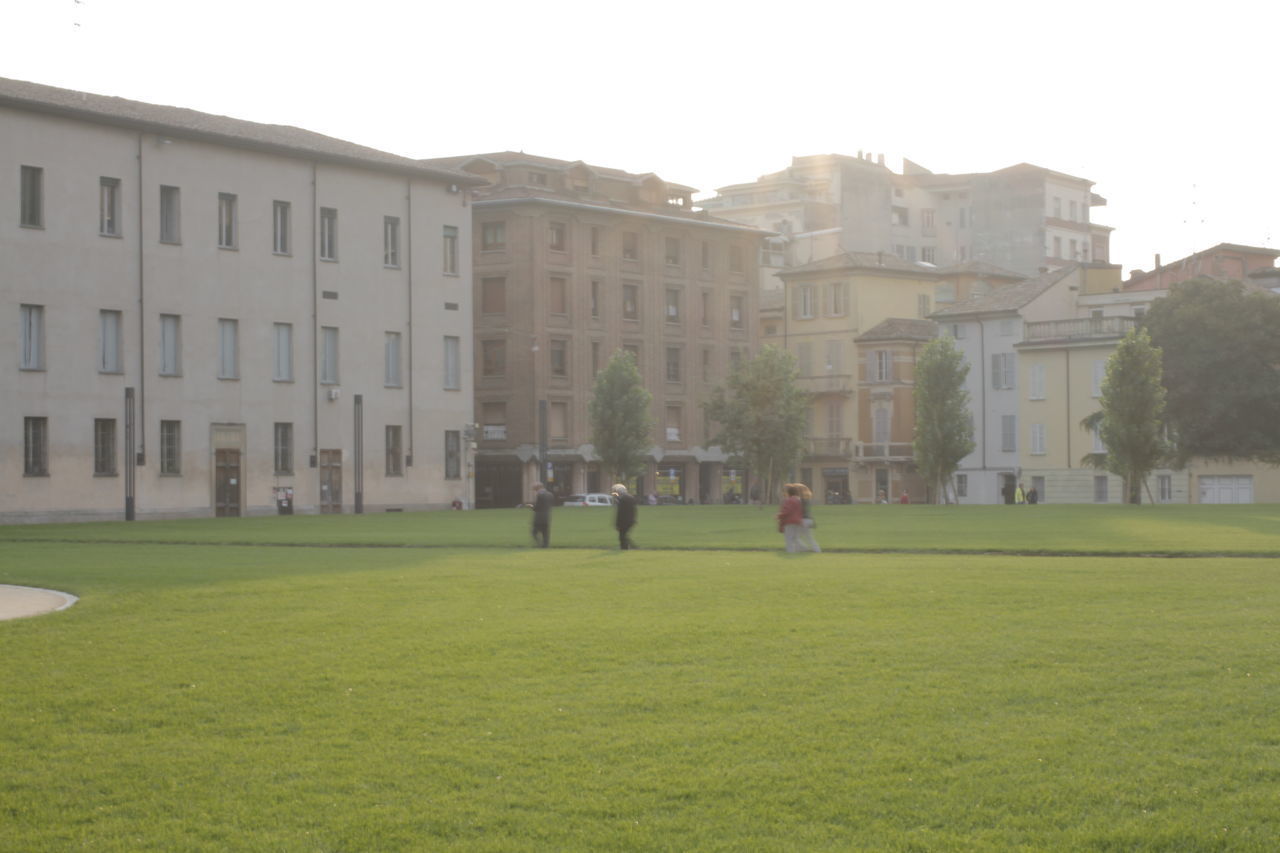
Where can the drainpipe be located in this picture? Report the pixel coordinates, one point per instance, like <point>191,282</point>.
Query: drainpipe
<point>408,262</point>
<point>315,327</point>
<point>141,449</point>
<point>1067,352</point>
<point>982,360</point>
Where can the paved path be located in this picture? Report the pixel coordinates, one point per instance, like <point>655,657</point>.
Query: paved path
<point>19,601</point>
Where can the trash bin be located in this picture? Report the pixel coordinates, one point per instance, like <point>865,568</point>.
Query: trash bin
<point>284,499</point>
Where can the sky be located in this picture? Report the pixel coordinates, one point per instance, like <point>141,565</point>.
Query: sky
<point>1169,108</point>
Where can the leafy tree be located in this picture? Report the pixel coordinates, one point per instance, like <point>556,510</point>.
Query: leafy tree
<point>1221,369</point>
<point>1131,420</point>
<point>944,430</point>
<point>621,423</point>
<point>763,415</point>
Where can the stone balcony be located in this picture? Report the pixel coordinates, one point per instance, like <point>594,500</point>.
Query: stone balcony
<point>1079,328</point>
<point>837,447</point>
<point>828,383</point>
<point>880,451</point>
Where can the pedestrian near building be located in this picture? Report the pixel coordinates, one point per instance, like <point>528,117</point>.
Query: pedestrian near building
<point>1020,495</point>
<point>791,518</point>
<point>806,534</point>
<point>624,517</point>
<point>543,501</point>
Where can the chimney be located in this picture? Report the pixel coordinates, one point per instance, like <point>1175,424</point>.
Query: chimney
<point>880,159</point>
<point>1157,261</point>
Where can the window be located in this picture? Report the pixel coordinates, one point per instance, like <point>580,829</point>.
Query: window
<point>1057,207</point>
<point>736,318</point>
<point>735,259</point>
<point>900,216</point>
<point>837,299</point>
<point>328,355</point>
<point>104,447</point>
<point>538,179</point>
<point>880,426</point>
<point>1036,380</point>
<point>32,318</point>
<point>453,454</point>
<point>558,237</point>
<point>804,358</point>
<point>1009,433</point>
<point>493,421</point>
<point>922,305</point>
<point>706,255</point>
<point>109,342</point>
<point>1074,249</point>
<point>927,227</point>
<point>559,358</point>
<point>959,331</point>
<point>630,302</point>
<point>595,299</point>
<point>1164,488</point>
<point>882,367</point>
<point>170,345</point>
<point>395,452</point>
<point>228,349</point>
<point>1057,247</point>
<point>1100,489</point>
<point>282,338</point>
<point>1072,207</point>
<point>493,236</point>
<point>674,421</point>
<point>803,307</point>
<point>328,234</point>
<point>835,418</point>
<point>226,221</point>
<point>171,447</point>
<point>493,357</point>
<point>493,295</point>
<point>673,305</point>
<point>558,295</point>
<point>281,227</point>
<point>1037,440</point>
<point>596,234</point>
<point>1099,446</point>
<point>706,309</point>
<point>962,485</point>
<point>595,357</point>
<point>735,358</point>
<point>391,241</point>
<point>835,349</point>
<point>31,203</point>
<point>673,364</point>
<point>391,377</point>
<point>634,351</point>
<point>284,447</point>
<point>672,254</point>
<point>1003,369</point>
<point>452,363</point>
<point>170,215</point>
<point>558,420</point>
<point>706,365</point>
<point>630,246</point>
<point>450,249</point>
<point>1099,375</point>
<point>109,207</point>
<point>35,447</point>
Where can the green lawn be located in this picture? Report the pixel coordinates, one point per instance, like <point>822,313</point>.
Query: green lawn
<point>206,697</point>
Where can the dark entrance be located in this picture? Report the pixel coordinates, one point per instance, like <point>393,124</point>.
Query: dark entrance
<point>498,483</point>
<point>226,484</point>
<point>330,481</point>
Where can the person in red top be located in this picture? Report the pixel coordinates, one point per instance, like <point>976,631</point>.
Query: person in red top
<point>791,518</point>
<point>905,499</point>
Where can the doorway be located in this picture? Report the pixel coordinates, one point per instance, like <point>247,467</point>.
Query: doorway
<point>226,483</point>
<point>330,481</point>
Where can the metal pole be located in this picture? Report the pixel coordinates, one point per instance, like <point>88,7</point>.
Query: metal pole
<point>130,457</point>
<point>359,453</point>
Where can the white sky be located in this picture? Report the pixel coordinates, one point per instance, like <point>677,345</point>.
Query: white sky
<point>1169,107</point>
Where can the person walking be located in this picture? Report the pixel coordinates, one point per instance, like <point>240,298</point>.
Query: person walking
<point>543,501</point>
<point>624,517</point>
<point>791,518</point>
<point>808,524</point>
<point>1020,496</point>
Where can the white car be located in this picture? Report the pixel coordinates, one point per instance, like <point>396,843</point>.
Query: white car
<point>594,499</point>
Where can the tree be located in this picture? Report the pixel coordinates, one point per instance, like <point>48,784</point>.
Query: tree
<point>621,422</point>
<point>1131,420</point>
<point>1221,369</point>
<point>762,415</point>
<point>944,429</point>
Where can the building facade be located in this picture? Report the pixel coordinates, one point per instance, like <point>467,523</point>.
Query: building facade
<point>218,317</point>
<point>572,263</point>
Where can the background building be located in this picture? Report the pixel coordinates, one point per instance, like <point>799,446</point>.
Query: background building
<point>289,313</point>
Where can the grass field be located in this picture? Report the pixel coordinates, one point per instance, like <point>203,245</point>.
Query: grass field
<point>450,691</point>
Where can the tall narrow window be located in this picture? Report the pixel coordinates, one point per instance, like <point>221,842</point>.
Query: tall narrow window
<point>391,374</point>
<point>228,349</point>
<point>883,368</point>
<point>595,357</point>
<point>835,352</point>
<point>674,366</point>
<point>35,447</point>
<point>328,355</point>
<point>706,308</point>
<point>672,253</point>
<point>493,236</point>
<point>450,250</point>
<point>558,295</point>
<point>226,221</point>
<point>452,454</point>
<point>283,447</point>
<point>1037,439</point>
<point>737,316</point>
<point>880,426</point>
<point>493,357</point>
<point>630,302</point>
<point>170,345</point>
<point>109,207</point>
<point>171,447</point>
<point>391,241</point>
<point>804,358</point>
<point>558,237</point>
<point>735,259</point>
<point>630,246</point>
<point>281,227</point>
<point>328,234</point>
<point>109,342</point>
<point>282,339</point>
<point>595,299</point>
<point>558,420</point>
<point>596,233</point>
<point>706,255</point>
<point>674,422</point>
<point>395,451</point>
<point>493,295</point>
<point>559,358</point>
<point>673,305</point>
<point>1099,375</point>
<point>104,447</point>
<point>1008,433</point>
<point>170,215</point>
<point>452,363</point>
<point>1035,378</point>
<point>31,205</point>
<point>32,318</point>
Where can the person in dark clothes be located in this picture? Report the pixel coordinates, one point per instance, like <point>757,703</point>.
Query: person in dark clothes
<point>624,516</point>
<point>542,503</point>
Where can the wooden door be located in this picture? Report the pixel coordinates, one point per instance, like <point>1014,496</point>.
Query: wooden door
<point>226,489</point>
<point>330,481</point>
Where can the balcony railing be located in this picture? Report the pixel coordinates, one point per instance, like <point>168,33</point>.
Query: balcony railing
<point>494,432</point>
<point>830,446</point>
<point>827,383</point>
<point>885,451</point>
<point>1081,327</point>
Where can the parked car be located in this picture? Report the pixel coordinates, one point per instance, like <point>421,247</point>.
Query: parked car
<point>593,499</point>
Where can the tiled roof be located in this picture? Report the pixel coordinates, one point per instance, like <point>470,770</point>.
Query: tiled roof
<point>981,268</point>
<point>521,193</point>
<point>1004,299</point>
<point>863,260</point>
<point>507,158</point>
<point>185,123</point>
<point>900,329</point>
